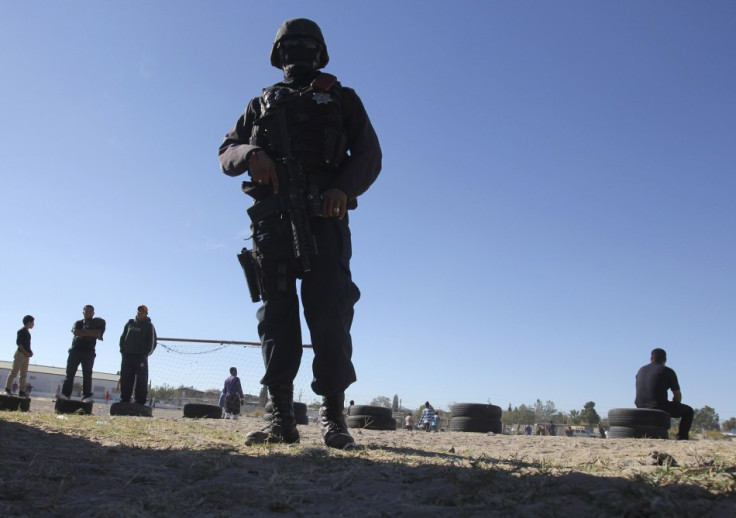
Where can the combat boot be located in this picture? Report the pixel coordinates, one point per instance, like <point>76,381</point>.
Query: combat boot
<point>282,428</point>
<point>332,421</point>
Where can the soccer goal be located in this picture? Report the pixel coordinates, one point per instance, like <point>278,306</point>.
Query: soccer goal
<point>194,371</point>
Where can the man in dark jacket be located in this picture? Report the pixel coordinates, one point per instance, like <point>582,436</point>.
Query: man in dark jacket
<point>86,333</point>
<point>137,343</point>
<point>328,133</point>
<point>652,383</point>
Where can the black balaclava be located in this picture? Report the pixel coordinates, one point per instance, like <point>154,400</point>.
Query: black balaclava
<point>300,57</point>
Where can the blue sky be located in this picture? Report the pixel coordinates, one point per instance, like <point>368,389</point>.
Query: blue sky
<point>557,194</point>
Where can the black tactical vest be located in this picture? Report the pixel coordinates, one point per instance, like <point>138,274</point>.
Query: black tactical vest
<point>313,124</point>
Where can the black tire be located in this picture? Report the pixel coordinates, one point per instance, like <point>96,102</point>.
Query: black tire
<point>478,410</point>
<point>370,422</point>
<point>72,406</point>
<point>200,410</point>
<point>302,419</point>
<point>471,424</point>
<point>14,403</point>
<point>635,417</point>
<point>131,409</point>
<point>638,432</point>
<point>369,410</point>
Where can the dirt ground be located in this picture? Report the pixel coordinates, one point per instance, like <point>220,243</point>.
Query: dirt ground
<point>102,465</point>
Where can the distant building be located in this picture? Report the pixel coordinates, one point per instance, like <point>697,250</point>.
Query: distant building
<point>45,380</point>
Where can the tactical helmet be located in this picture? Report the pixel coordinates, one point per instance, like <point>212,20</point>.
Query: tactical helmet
<point>299,27</point>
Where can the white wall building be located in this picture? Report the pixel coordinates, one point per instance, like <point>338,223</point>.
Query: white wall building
<point>46,380</point>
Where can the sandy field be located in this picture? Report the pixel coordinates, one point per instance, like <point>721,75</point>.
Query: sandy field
<point>102,465</point>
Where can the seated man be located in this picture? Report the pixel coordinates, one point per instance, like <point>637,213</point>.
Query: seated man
<point>652,383</point>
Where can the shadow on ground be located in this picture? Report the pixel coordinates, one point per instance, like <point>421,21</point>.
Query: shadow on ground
<point>55,474</point>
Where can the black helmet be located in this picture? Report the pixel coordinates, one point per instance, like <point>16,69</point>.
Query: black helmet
<point>299,27</point>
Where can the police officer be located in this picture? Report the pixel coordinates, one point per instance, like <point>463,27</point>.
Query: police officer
<point>331,137</point>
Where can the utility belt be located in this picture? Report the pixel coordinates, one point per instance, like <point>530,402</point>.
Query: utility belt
<point>316,184</point>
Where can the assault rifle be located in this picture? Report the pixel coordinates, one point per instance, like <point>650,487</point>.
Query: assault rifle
<point>288,168</point>
<point>295,198</point>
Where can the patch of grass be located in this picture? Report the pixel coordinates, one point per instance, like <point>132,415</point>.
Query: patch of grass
<point>713,435</point>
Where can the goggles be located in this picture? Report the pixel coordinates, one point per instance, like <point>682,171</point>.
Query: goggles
<point>294,42</point>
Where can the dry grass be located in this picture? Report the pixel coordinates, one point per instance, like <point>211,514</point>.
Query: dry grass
<point>100,465</point>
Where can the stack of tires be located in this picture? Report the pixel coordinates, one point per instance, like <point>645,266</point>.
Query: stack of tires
<point>638,423</point>
<point>475,417</point>
<point>300,412</point>
<point>371,417</point>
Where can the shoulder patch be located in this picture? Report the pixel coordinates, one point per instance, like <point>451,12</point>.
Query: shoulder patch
<point>324,82</point>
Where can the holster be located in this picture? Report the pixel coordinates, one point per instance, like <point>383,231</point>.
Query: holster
<point>252,271</point>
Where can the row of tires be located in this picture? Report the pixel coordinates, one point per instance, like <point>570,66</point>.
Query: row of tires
<point>466,417</point>
<point>73,406</point>
<point>486,418</point>
<point>204,411</point>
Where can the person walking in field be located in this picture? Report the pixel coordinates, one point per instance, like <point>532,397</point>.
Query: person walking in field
<point>233,394</point>
<point>427,416</point>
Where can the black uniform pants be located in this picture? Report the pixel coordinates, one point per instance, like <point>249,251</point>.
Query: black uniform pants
<point>328,295</point>
<point>134,373</point>
<point>87,359</point>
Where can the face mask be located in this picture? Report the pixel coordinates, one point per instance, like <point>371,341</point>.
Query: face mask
<point>299,54</point>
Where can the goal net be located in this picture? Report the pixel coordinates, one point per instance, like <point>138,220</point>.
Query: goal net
<point>193,371</point>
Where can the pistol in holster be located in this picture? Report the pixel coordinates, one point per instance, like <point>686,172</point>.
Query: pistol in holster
<point>252,271</point>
